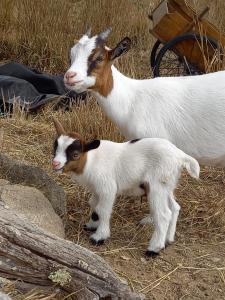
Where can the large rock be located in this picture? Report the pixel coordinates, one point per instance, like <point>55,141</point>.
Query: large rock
<point>30,202</point>
<point>21,173</point>
<point>3,296</point>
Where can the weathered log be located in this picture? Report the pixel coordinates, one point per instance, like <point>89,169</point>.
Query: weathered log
<point>33,256</point>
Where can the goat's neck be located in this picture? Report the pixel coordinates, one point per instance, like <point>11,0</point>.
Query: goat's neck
<point>118,102</point>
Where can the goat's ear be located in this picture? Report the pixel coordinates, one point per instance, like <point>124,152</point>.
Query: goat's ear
<point>121,48</point>
<point>58,127</point>
<point>91,145</point>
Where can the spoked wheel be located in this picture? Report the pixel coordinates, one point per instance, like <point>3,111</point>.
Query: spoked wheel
<point>155,51</point>
<point>188,54</point>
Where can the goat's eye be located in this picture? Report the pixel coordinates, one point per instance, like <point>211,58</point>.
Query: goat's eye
<point>99,59</point>
<point>76,155</point>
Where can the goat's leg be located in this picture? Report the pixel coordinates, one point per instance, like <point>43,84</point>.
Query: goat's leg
<point>93,222</point>
<point>161,213</point>
<point>104,211</point>
<point>175,208</point>
<point>147,219</point>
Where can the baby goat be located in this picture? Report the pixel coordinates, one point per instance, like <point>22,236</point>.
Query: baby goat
<point>108,169</point>
<point>188,111</point>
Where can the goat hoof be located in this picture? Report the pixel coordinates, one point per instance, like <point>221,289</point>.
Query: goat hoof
<point>96,243</point>
<point>91,229</point>
<point>151,254</point>
<point>168,243</point>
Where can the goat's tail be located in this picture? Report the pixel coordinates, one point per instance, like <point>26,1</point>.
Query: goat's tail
<point>192,166</point>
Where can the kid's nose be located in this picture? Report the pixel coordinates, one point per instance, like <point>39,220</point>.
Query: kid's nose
<point>55,164</point>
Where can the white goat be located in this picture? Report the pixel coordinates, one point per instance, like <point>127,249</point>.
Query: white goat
<point>187,111</point>
<point>109,169</point>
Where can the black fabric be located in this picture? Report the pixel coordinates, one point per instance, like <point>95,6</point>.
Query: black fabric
<point>30,87</point>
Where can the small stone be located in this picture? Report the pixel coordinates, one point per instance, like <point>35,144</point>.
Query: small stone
<point>125,257</point>
<point>215,259</point>
<point>143,260</point>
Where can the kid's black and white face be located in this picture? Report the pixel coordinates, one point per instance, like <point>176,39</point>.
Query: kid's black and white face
<point>70,150</point>
<point>91,59</point>
<point>66,149</point>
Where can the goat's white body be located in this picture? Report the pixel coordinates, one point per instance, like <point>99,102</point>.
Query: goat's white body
<point>188,111</point>
<point>117,168</point>
<point>128,164</point>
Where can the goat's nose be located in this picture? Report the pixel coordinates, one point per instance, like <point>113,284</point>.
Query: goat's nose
<point>55,164</point>
<point>70,74</point>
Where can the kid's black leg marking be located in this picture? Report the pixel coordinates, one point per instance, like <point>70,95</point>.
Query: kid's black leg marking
<point>97,243</point>
<point>90,229</point>
<point>151,254</point>
<point>95,216</point>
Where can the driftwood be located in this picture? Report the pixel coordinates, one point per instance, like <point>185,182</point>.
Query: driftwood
<point>39,259</point>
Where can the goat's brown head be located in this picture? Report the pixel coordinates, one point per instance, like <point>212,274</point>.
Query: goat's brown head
<point>91,63</point>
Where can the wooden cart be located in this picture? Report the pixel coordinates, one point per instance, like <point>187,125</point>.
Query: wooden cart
<point>187,44</point>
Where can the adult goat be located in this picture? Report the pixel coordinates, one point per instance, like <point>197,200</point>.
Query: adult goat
<point>187,111</point>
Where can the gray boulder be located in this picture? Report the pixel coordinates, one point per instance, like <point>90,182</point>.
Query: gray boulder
<point>30,202</point>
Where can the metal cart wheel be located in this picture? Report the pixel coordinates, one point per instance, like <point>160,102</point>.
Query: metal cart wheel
<point>154,53</point>
<point>170,61</point>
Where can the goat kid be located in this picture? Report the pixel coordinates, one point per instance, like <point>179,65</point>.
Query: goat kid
<point>109,169</point>
<point>188,111</point>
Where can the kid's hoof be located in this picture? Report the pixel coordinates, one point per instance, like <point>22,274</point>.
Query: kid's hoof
<point>91,229</point>
<point>168,244</point>
<point>96,243</point>
<point>151,254</point>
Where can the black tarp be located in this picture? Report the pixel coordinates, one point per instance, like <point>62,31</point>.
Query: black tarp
<point>31,88</point>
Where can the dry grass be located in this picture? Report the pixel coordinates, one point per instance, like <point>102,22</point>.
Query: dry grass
<point>39,34</point>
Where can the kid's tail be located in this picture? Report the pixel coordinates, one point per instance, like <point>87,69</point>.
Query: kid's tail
<point>192,166</point>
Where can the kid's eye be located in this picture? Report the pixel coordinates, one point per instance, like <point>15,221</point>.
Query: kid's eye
<point>99,59</point>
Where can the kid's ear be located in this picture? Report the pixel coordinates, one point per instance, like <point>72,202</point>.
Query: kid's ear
<point>91,145</point>
<point>121,48</point>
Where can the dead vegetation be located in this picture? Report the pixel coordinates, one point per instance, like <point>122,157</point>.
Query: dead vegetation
<point>39,34</point>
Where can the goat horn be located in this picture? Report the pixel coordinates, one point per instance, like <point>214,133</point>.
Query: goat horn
<point>58,127</point>
<point>88,33</point>
<point>103,35</point>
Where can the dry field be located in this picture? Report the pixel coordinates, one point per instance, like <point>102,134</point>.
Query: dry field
<point>39,34</point>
